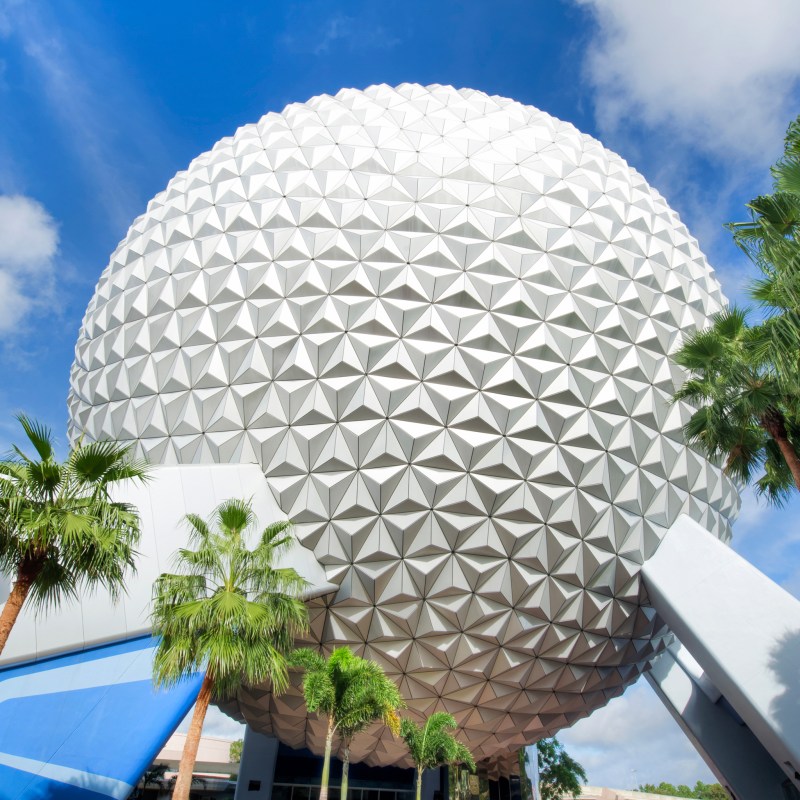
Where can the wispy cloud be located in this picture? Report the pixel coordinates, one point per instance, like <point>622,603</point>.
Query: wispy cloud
<point>709,73</point>
<point>28,247</point>
<point>321,34</point>
<point>633,740</point>
<point>72,73</point>
<point>697,96</point>
<point>217,724</point>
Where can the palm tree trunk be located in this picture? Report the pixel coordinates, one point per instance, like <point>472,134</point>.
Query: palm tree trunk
<point>184,783</point>
<point>790,456</point>
<point>26,574</point>
<point>419,783</point>
<point>345,771</point>
<point>326,764</point>
<point>774,424</point>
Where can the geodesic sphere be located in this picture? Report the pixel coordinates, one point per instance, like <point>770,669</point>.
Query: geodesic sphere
<point>441,322</point>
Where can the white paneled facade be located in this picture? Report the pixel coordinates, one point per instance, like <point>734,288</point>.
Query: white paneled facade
<point>440,322</point>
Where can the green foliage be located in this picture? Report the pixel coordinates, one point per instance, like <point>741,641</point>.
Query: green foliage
<point>154,777</point>
<point>526,786</point>
<point>746,380</point>
<point>666,789</point>
<point>235,754</point>
<point>432,745</point>
<point>771,239</point>
<point>352,692</point>
<point>228,609</point>
<point>560,775</point>
<point>744,407</point>
<point>702,791</point>
<point>58,524</point>
<point>710,791</point>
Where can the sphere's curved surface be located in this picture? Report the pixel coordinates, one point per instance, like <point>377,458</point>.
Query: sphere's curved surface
<point>440,321</point>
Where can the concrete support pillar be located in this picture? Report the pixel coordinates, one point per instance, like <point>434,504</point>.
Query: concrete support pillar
<point>732,752</point>
<point>504,788</point>
<point>743,632</point>
<point>531,766</point>
<point>431,782</point>
<point>257,767</point>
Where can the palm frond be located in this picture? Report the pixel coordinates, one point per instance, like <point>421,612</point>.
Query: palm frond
<point>776,485</point>
<point>234,516</point>
<point>55,583</point>
<point>231,603</point>
<point>786,173</point>
<point>732,385</point>
<point>58,523</point>
<point>39,435</point>
<point>432,744</point>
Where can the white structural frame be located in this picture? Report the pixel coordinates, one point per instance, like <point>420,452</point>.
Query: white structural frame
<point>736,692</point>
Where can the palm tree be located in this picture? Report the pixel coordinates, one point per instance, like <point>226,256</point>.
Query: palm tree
<point>748,413</point>
<point>771,239</point>
<point>228,611</point>
<point>352,692</point>
<point>431,745</point>
<point>60,531</point>
<point>154,775</point>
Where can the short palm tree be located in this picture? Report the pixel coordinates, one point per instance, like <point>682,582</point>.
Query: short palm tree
<point>352,692</point>
<point>60,531</point>
<point>432,745</point>
<point>747,412</point>
<point>154,775</point>
<point>228,611</point>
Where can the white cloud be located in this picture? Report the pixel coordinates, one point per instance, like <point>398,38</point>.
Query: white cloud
<point>28,236</point>
<point>28,246</point>
<point>216,724</point>
<point>719,74</point>
<point>103,117</point>
<point>633,740</point>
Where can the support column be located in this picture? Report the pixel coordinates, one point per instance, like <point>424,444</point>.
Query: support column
<point>257,767</point>
<point>743,631</point>
<point>530,763</point>
<point>504,788</point>
<point>730,749</point>
<point>431,782</point>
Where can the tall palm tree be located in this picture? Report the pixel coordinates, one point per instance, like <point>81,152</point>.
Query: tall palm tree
<point>228,611</point>
<point>352,692</point>
<point>432,745</point>
<point>771,239</point>
<point>748,413</point>
<point>60,531</point>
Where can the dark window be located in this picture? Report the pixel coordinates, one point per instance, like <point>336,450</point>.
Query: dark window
<point>253,786</point>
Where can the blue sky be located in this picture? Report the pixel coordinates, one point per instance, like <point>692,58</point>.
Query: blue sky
<point>101,103</point>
